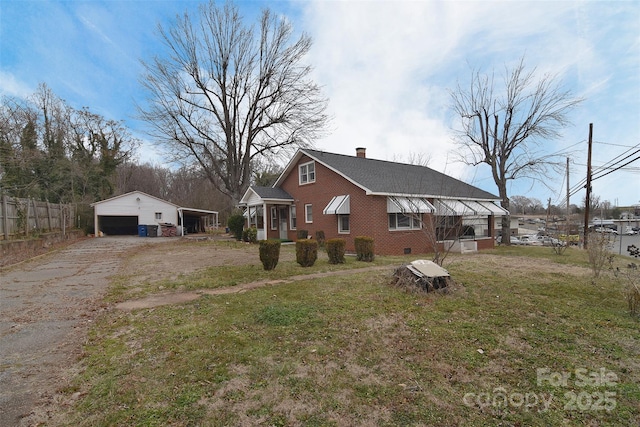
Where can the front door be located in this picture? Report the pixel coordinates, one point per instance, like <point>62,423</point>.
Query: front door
<point>283,223</point>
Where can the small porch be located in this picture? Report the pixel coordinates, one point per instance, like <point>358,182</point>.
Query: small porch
<point>466,225</point>
<point>270,210</point>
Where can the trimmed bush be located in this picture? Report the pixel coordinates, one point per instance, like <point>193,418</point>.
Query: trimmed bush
<point>320,238</point>
<point>302,234</point>
<point>306,252</point>
<point>236,225</point>
<point>364,248</point>
<point>250,235</point>
<point>269,253</point>
<point>335,250</point>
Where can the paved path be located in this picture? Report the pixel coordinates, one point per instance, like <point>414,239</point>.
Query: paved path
<point>46,306</point>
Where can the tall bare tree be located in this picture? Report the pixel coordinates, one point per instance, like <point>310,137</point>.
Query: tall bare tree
<point>226,93</point>
<point>507,127</point>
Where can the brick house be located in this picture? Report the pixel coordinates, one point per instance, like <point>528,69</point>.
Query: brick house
<point>405,208</point>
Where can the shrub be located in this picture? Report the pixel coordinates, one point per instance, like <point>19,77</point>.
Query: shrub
<point>269,253</point>
<point>302,234</point>
<point>236,225</point>
<point>598,252</point>
<point>364,248</point>
<point>335,250</point>
<point>306,252</point>
<point>250,235</point>
<point>320,238</point>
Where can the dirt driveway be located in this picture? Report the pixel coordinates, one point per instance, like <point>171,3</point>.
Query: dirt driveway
<point>46,307</point>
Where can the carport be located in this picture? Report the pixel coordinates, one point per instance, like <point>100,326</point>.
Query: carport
<point>197,220</point>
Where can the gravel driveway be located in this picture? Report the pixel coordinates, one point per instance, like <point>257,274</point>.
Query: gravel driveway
<point>46,306</point>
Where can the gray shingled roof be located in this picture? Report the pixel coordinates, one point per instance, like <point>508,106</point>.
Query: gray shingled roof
<point>383,177</point>
<point>271,193</point>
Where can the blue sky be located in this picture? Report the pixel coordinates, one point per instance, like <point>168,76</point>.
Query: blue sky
<point>385,66</point>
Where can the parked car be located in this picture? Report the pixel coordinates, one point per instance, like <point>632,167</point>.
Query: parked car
<point>530,241</point>
<point>513,240</point>
<point>629,231</point>
<point>552,241</point>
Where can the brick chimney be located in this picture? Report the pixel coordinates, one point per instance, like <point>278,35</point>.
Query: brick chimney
<point>361,152</point>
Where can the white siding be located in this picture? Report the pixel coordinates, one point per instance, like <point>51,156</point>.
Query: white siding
<point>145,208</point>
<point>254,199</point>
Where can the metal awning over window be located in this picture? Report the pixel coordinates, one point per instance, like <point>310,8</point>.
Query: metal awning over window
<point>452,208</point>
<point>406,205</point>
<point>476,208</point>
<point>495,209</point>
<point>448,207</point>
<point>339,205</point>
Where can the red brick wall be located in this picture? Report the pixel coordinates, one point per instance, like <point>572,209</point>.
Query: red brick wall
<point>368,214</point>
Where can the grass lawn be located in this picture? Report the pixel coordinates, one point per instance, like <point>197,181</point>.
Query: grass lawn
<point>525,339</point>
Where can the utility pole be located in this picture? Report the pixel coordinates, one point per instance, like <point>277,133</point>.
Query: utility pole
<point>568,231</point>
<point>587,199</point>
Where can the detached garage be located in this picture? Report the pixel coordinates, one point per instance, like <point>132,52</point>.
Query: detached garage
<point>121,215</point>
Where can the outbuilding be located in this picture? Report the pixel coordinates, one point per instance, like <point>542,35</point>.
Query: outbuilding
<point>123,214</point>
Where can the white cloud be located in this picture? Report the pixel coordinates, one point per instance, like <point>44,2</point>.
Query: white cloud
<point>11,86</point>
<point>386,67</point>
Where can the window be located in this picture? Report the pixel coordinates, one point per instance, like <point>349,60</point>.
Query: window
<point>308,214</point>
<point>274,218</point>
<point>307,173</point>
<point>399,221</point>
<point>256,216</point>
<point>343,224</point>
<point>292,217</point>
<point>159,215</point>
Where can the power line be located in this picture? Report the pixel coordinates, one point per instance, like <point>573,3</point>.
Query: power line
<point>610,166</point>
<point>616,145</point>
<point>613,170</point>
<point>617,159</point>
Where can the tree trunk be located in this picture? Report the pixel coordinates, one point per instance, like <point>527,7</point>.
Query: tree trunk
<point>506,219</point>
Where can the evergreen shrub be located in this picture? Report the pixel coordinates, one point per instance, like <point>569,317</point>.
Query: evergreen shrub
<point>236,225</point>
<point>306,252</point>
<point>364,248</point>
<point>250,235</point>
<point>335,250</point>
<point>269,253</point>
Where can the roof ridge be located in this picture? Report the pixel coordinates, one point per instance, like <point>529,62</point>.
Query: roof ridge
<point>389,175</point>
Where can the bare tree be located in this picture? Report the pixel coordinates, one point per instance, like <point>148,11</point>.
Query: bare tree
<point>520,204</point>
<point>226,94</point>
<point>507,129</point>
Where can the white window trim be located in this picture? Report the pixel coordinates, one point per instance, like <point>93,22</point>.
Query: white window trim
<point>411,227</point>
<point>306,213</point>
<point>292,216</point>
<point>306,173</point>
<point>340,230</point>
<point>274,218</point>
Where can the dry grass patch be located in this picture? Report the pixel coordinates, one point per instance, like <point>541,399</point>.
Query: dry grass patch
<point>352,350</point>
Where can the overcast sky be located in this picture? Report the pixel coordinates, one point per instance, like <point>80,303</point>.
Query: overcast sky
<point>386,67</point>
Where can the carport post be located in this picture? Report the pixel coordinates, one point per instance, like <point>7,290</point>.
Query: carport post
<point>96,233</point>
<point>180,214</point>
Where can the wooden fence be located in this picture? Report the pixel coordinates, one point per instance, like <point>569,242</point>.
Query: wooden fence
<point>27,217</point>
